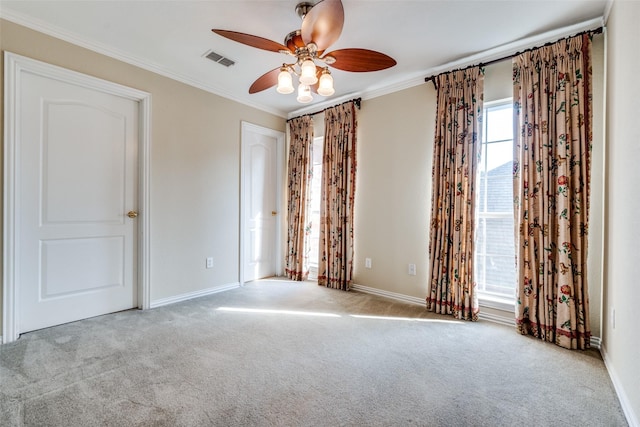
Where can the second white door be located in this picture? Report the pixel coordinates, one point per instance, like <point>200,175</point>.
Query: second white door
<point>260,204</point>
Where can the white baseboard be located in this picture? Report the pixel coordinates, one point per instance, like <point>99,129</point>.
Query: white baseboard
<point>504,320</point>
<point>508,319</point>
<point>632,418</point>
<point>191,295</point>
<point>387,294</point>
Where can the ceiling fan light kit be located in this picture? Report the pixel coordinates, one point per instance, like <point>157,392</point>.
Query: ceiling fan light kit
<point>304,94</point>
<point>322,24</point>
<point>285,81</point>
<point>308,72</point>
<point>325,87</point>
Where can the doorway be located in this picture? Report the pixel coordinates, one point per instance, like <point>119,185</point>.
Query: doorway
<point>260,202</point>
<point>75,197</point>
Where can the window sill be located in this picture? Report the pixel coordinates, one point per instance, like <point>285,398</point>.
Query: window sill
<point>313,272</point>
<point>496,303</point>
<point>501,310</point>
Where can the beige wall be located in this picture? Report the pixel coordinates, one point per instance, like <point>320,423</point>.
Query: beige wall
<point>498,81</point>
<point>393,196</point>
<point>621,345</point>
<point>393,190</point>
<point>195,163</point>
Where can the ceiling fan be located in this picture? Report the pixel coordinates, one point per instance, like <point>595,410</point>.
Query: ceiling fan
<point>322,24</point>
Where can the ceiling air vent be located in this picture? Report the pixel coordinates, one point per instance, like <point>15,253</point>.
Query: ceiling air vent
<point>216,57</point>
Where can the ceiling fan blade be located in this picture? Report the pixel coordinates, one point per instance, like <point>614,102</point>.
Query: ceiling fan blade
<point>265,81</point>
<point>323,23</point>
<point>360,60</point>
<point>253,41</point>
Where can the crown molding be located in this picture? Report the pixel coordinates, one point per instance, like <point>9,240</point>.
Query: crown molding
<point>607,12</point>
<point>406,83</point>
<point>75,39</point>
<point>321,106</point>
<point>504,51</point>
<point>375,92</point>
<point>511,49</point>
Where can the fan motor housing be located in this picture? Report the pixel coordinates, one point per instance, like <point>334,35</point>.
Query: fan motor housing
<point>294,40</point>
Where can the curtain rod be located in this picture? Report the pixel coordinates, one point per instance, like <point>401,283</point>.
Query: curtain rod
<point>356,101</point>
<point>493,61</point>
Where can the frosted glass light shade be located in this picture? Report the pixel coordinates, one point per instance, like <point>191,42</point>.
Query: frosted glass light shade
<point>285,82</point>
<point>308,73</point>
<point>304,94</point>
<point>326,84</point>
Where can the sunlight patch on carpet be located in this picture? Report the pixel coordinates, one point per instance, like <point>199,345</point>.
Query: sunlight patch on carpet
<point>321,314</point>
<point>407,319</point>
<point>266,311</point>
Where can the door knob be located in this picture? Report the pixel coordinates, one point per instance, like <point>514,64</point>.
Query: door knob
<point>274,213</point>
<point>132,214</point>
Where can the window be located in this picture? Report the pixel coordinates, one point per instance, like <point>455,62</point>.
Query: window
<point>314,206</point>
<point>494,251</point>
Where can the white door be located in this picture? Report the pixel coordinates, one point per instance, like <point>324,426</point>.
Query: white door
<point>261,216</point>
<point>77,173</point>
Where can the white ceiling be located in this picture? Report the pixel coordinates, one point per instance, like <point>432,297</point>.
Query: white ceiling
<point>424,37</point>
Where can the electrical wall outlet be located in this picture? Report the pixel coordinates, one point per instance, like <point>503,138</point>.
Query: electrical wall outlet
<point>412,270</point>
<point>367,263</point>
<point>209,262</point>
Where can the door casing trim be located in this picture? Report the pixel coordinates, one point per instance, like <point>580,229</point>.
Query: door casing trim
<point>14,66</point>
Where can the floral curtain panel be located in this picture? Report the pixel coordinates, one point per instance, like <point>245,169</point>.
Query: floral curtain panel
<point>335,266</point>
<point>299,180</point>
<point>552,108</point>
<point>452,289</point>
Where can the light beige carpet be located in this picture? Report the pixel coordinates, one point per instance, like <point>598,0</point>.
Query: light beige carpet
<point>209,361</point>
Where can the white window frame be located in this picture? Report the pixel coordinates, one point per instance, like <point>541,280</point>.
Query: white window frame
<point>318,141</point>
<point>488,299</point>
